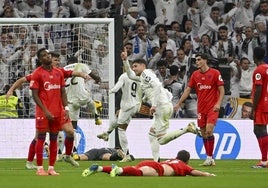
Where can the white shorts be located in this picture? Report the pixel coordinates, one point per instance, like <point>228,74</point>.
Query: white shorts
<point>124,117</point>
<point>161,118</point>
<point>75,107</point>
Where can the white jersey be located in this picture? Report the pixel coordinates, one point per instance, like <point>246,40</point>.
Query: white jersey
<point>75,86</point>
<point>130,92</point>
<point>152,88</point>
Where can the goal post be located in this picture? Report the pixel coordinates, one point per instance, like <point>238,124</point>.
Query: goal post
<point>81,37</point>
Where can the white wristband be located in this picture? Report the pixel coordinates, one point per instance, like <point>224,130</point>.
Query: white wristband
<point>67,108</point>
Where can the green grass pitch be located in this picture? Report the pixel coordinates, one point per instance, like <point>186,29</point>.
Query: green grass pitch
<point>230,173</point>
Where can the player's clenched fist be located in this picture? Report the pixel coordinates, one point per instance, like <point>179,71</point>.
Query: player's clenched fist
<point>124,55</point>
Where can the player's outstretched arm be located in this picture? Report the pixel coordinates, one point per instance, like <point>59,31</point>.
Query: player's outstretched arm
<point>201,173</point>
<point>16,85</point>
<point>81,74</point>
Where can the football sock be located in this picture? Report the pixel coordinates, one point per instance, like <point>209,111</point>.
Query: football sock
<point>112,125</point>
<point>53,148</point>
<point>155,147</point>
<point>106,169</point>
<point>60,142</point>
<point>263,145</point>
<point>123,139</point>
<point>31,152</point>
<point>131,171</point>
<point>39,148</point>
<point>210,146</point>
<point>69,142</point>
<point>92,108</point>
<point>171,136</point>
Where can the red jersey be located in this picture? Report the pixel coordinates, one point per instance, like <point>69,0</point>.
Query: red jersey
<point>206,85</point>
<point>49,84</point>
<point>260,77</point>
<point>66,74</point>
<point>180,168</point>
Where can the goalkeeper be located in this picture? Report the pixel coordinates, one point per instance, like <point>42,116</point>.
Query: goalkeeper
<point>100,154</point>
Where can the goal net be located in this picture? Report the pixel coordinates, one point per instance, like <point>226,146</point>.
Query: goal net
<point>91,40</point>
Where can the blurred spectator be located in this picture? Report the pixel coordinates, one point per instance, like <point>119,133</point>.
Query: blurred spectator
<point>235,78</point>
<point>23,37</point>
<point>245,84</point>
<point>56,9</point>
<point>261,23</point>
<point>141,44</point>
<point>161,32</point>
<point>9,109</point>
<point>206,8</point>
<point>246,110</point>
<point>206,47</point>
<point>181,58</point>
<point>169,57</point>
<point>132,56</point>
<point>171,9</point>
<point>30,58</point>
<point>249,43</point>
<point>149,8</point>
<point>245,13</point>
<point>85,9</point>
<point>173,85</point>
<point>211,24</point>
<point>229,13</point>
<point>162,71</point>
<point>175,34</point>
<point>10,12</point>
<point>224,47</point>
<point>194,14</point>
<point>31,9</point>
<point>157,54</point>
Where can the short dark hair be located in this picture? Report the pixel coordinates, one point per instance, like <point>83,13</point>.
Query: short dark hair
<point>202,55</point>
<point>161,63</point>
<point>183,155</point>
<point>54,54</point>
<point>174,70</point>
<point>223,27</point>
<point>258,53</point>
<point>72,59</point>
<point>38,53</point>
<point>249,104</point>
<point>139,61</point>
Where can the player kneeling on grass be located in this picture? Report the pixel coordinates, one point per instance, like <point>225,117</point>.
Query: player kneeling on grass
<point>172,167</point>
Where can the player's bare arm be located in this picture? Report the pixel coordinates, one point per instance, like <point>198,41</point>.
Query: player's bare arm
<point>221,95</point>
<point>38,102</point>
<point>65,102</point>
<point>184,96</point>
<point>201,173</point>
<point>16,85</point>
<point>81,74</point>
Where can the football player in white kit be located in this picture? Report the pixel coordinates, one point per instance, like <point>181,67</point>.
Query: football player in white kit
<point>160,99</point>
<point>129,105</point>
<point>77,93</point>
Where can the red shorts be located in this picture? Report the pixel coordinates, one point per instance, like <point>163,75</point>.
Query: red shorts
<point>207,118</point>
<point>43,125</point>
<point>153,164</point>
<point>261,118</point>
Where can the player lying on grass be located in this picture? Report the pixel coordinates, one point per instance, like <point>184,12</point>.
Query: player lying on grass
<point>100,154</point>
<point>172,167</point>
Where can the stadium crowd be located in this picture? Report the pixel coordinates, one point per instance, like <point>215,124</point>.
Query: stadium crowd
<point>165,33</point>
